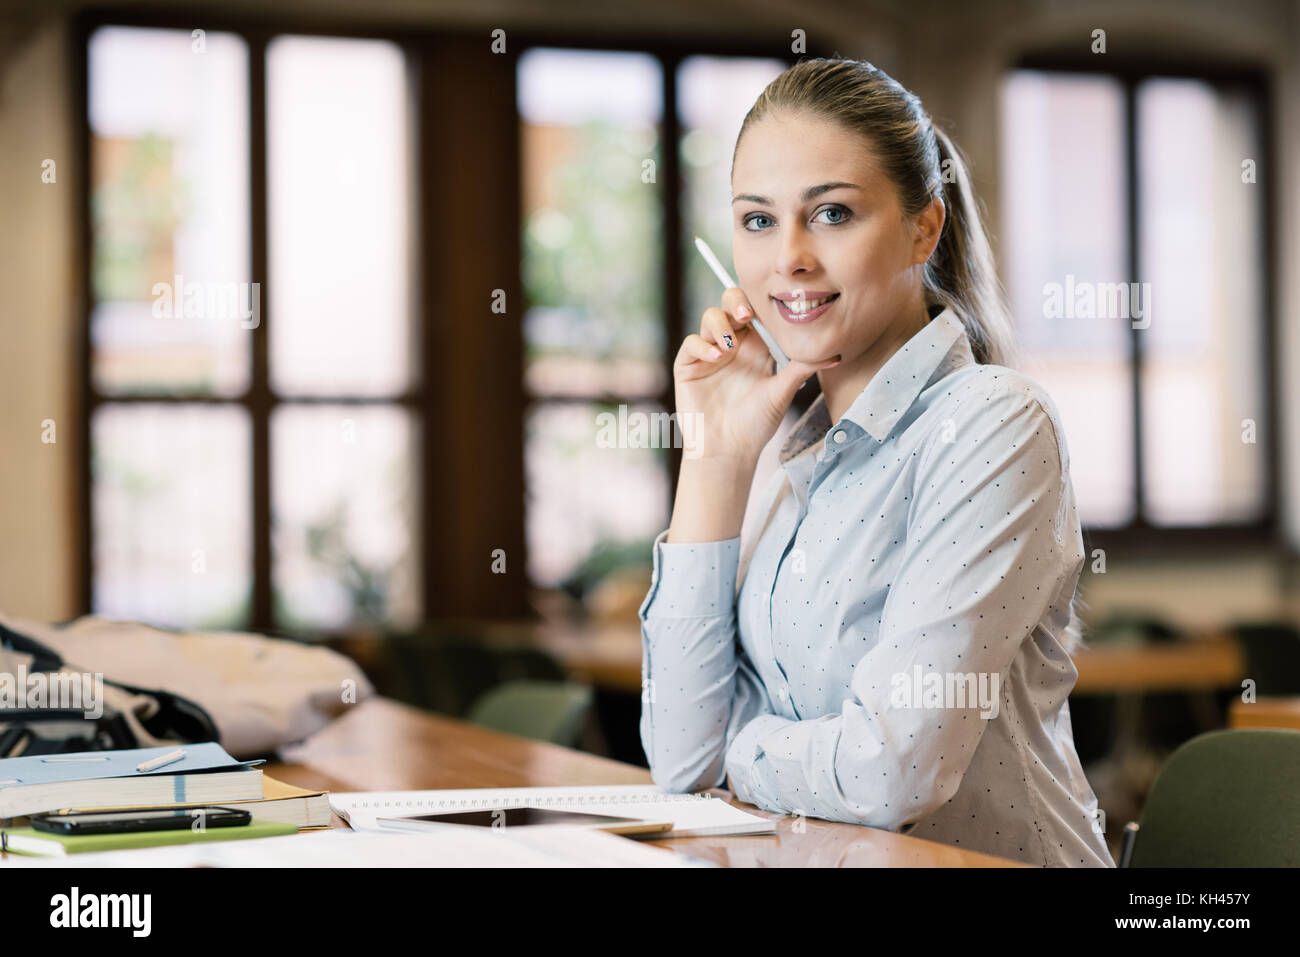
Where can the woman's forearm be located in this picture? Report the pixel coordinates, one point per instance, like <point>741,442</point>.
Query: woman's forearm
<point>711,499</point>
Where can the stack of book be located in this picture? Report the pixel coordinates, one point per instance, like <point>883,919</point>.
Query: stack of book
<point>193,776</point>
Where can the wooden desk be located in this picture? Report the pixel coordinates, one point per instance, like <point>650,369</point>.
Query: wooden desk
<point>1265,713</point>
<point>609,656</point>
<point>1194,664</point>
<point>382,745</point>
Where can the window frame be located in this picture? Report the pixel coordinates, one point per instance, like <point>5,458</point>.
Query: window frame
<point>259,400</point>
<point>673,199</point>
<point>441,549</point>
<point>1140,537</point>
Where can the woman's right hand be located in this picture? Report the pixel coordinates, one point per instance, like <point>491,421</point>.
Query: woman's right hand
<point>729,402</point>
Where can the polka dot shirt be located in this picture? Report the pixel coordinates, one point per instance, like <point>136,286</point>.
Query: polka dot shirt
<point>886,643</point>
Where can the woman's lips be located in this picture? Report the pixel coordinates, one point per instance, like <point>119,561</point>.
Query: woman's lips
<point>804,317</point>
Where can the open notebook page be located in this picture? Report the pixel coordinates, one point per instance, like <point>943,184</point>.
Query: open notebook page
<point>691,814</point>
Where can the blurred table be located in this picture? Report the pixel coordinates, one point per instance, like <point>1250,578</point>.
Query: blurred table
<point>1193,664</point>
<point>1265,713</point>
<point>609,656</point>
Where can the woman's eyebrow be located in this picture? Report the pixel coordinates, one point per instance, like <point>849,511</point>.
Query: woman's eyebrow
<point>808,193</point>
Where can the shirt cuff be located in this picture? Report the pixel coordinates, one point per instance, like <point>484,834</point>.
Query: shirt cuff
<point>746,771</point>
<point>692,579</point>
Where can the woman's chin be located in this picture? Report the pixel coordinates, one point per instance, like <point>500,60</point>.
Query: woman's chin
<point>813,354</point>
<point>812,347</point>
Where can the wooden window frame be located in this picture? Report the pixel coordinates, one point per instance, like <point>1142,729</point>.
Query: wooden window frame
<point>471,430</point>
<point>1140,537</point>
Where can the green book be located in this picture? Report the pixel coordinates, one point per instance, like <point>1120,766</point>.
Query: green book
<point>28,840</point>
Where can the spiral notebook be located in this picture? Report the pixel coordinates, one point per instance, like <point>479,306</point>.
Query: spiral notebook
<point>693,815</point>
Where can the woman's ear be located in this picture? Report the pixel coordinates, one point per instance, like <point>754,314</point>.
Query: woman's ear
<point>928,227</point>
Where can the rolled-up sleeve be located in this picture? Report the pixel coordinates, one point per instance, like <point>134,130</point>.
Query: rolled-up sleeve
<point>987,556</point>
<point>698,687</point>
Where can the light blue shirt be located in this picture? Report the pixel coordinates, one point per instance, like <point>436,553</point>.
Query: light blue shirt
<point>886,642</point>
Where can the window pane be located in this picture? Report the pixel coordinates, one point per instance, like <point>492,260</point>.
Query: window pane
<point>592,222</point>
<point>172,517</point>
<point>1065,245</point>
<point>337,148</point>
<point>344,515</point>
<point>169,212</point>
<point>1203,355</point>
<point>597,486</point>
<point>714,94</point>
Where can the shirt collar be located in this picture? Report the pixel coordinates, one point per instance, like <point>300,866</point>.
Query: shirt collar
<point>893,389</point>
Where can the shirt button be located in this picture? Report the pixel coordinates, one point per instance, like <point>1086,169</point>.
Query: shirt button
<point>839,435</point>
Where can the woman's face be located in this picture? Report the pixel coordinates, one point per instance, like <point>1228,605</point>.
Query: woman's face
<point>794,237</point>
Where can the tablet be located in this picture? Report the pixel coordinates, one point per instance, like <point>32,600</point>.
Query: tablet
<point>526,817</point>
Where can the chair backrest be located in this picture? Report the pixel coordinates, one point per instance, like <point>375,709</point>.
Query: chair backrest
<point>1225,799</point>
<point>544,710</point>
<point>442,672</point>
<point>523,663</point>
<point>1131,627</point>
<point>1272,652</point>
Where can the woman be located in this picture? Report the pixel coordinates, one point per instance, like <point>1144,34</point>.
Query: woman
<point>890,645</point>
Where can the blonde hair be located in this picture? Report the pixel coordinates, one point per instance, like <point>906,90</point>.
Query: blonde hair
<point>923,163</point>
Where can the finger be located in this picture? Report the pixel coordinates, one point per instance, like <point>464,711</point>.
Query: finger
<point>737,305</point>
<point>716,326</point>
<point>695,349</point>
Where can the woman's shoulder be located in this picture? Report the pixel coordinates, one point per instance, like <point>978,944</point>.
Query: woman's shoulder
<point>991,396</point>
<point>986,380</point>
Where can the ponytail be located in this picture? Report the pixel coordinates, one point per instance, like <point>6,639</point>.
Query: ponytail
<point>961,274</point>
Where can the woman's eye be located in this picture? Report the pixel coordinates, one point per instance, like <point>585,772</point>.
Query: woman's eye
<point>842,211</point>
<point>749,219</point>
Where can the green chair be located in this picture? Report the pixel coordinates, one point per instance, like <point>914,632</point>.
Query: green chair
<point>441,671</point>
<point>1131,626</point>
<point>552,711</point>
<point>1223,799</point>
<point>524,663</point>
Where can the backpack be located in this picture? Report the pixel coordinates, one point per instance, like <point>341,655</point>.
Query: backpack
<point>250,693</point>
<point>123,716</point>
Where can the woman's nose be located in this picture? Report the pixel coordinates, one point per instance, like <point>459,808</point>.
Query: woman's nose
<point>795,253</point>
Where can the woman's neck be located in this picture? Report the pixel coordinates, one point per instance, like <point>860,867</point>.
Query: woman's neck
<point>843,384</point>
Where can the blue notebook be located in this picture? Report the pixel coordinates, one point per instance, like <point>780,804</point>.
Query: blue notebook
<point>49,782</point>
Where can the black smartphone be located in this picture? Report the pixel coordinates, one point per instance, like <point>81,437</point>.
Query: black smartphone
<point>139,819</point>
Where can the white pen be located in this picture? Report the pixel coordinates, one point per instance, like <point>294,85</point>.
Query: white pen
<point>729,283</point>
<point>161,761</point>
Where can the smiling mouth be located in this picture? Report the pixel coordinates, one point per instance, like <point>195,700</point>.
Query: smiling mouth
<point>804,310</point>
